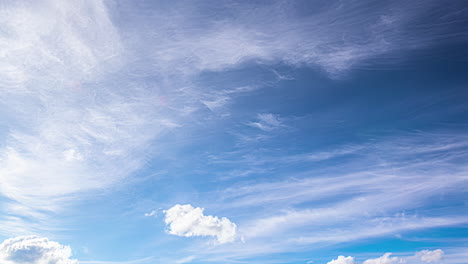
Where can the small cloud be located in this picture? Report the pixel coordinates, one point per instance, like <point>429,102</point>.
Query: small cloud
<point>342,260</point>
<point>216,103</point>
<point>385,259</point>
<point>169,124</point>
<point>152,213</point>
<point>188,221</point>
<point>266,122</point>
<point>281,76</point>
<point>185,260</point>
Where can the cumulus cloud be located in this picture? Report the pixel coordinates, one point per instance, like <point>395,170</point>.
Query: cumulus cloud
<point>186,220</point>
<point>342,260</point>
<point>34,250</point>
<point>385,259</point>
<point>424,256</point>
<point>429,256</point>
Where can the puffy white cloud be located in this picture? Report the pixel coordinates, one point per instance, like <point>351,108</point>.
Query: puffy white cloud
<point>186,220</point>
<point>423,256</point>
<point>429,256</point>
<point>342,260</point>
<point>385,259</point>
<point>34,250</point>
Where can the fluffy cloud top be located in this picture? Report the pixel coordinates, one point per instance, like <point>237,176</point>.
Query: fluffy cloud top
<point>429,256</point>
<point>186,220</point>
<point>342,260</point>
<point>424,256</point>
<point>34,250</point>
<point>385,259</point>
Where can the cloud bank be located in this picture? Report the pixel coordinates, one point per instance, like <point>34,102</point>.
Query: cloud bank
<point>186,220</point>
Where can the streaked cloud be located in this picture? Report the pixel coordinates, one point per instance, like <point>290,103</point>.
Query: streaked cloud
<point>69,129</point>
<point>375,190</point>
<point>191,40</point>
<point>152,213</point>
<point>267,122</point>
<point>90,91</point>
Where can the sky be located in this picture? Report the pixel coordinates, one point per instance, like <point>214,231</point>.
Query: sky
<point>232,131</point>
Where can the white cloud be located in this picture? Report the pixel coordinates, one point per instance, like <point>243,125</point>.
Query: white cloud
<point>215,103</point>
<point>342,260</point>
<point>423,256</point>
<point>189,40</point>
<point>371,194</point>
<point>152,213</point>
<point>65,96</point>
<point>34,250</point>
<point>71,124</point>
<point>186,220</point>
<point>428,256</point>
<point>385,259</point>
<point>267,122</point>
<point>49,52</point>
<point>185,260</point>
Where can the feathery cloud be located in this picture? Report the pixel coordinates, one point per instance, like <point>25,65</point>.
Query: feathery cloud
<point>267,122</point>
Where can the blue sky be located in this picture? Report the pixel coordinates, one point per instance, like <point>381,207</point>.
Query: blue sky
<point>177,132</point>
